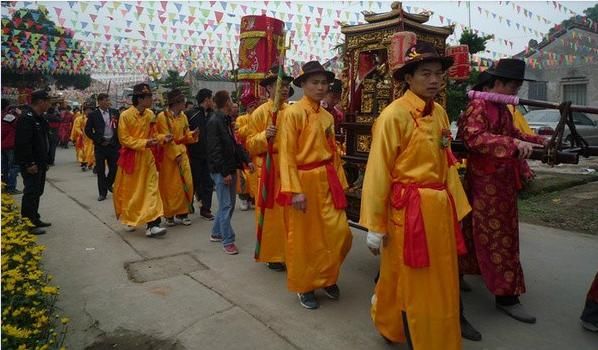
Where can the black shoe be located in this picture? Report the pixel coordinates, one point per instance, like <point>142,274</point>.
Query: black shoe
<point>40,223</point>
<point>206,215</point>
<point>110,189</point>
<point>15,192</point>
<point>36,231</point>
<point>308,300</point>
<point>332,292</point>
<point>468,332</point>
<point>101,198</point>
<point>276,266</point>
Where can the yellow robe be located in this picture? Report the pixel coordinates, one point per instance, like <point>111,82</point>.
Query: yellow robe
<point>406,153</point>
<point>274,232</point>
<point>519,120</point>
<point>88,146</point>
<point>319,239</point>
<point>176,192</point>
<point>136,195</point>
<point>245,175</point>
<point>76,132</point>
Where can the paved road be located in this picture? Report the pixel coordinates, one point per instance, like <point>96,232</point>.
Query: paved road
<point>197,297</point>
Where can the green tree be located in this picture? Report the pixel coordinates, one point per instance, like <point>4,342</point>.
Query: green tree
<point>475,42</point>
<point>174,80</point>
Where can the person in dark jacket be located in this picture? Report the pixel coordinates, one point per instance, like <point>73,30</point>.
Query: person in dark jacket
<point>202,183</point>
<point>225,156</point>
<point>102,128</point>
<point>32,148</point>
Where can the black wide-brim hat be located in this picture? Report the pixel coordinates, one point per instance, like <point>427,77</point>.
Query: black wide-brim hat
<point>419,53</point>
<point>272,75</point>
<point>509,68</point>
<point>311,68</point>
<point>483,79</point>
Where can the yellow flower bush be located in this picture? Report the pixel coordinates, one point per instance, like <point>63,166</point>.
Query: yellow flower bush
<point>29,319</point>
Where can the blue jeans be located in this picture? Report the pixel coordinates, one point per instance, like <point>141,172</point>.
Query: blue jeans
<point>9,169</point>
<point>226,205</point>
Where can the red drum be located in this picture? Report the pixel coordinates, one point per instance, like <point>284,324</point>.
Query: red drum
<point>261,42</point>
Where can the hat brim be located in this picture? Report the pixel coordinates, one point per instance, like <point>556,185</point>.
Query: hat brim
<point>272,79</point>
<point>445,61</point>
<point>507,76</point>
<point>300,79</point>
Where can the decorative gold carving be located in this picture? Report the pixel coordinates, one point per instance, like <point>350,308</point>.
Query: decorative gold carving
<point>377,38</point>
<point>363,143</point>
<point>367,103</point>
<point>364,118</point>
<point>369,85</point>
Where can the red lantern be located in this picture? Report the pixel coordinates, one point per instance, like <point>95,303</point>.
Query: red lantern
<point>461,67</point>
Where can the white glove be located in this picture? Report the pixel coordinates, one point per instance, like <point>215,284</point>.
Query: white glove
<point>374,241</point>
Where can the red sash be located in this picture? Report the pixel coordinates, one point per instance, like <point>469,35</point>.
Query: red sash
<point>126,160</point>
<point>415,246</point>
<point>336,189</point>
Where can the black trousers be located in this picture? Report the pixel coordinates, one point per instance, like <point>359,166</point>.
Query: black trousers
<point>53,143</point>
<point>202,182</point>
<point>105,154</point>
<point>33,189</point>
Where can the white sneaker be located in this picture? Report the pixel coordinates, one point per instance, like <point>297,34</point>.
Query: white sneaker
<point>183,221</point>
<point>243,205</point>
<point>171,222</point>
<point>130,228</point>
<point>155,231</point>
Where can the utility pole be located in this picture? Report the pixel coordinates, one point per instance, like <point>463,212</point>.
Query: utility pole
<point>469,13</point>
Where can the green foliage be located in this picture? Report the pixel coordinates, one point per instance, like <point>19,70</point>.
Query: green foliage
<point>475,42</point>
<point>174,80</point>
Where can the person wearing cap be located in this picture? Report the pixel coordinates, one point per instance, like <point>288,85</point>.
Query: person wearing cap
<point>136,193</point>
<point>260,132</point>
<point>493,180</point>
<point>32,147</point>
<point>198,154</point>
<point>77,136</point>
<point>102,128</point>
<point>313,181</point>
<point>175,180</point>
<point>411,204</point>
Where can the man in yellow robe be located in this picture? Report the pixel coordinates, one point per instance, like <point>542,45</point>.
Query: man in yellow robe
<point>411,202</point>
<point>270,246</point>
<point>136,194</point>
<point>249,102</point>
<point>88,148</point>
<point>77,134</point>
<point>313,180</point>
<point>175,181</point>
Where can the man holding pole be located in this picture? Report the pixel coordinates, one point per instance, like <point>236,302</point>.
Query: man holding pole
<point>175,180</point>
<point>313,182</point>
<point>493,178</point>
<point>261,133</point>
